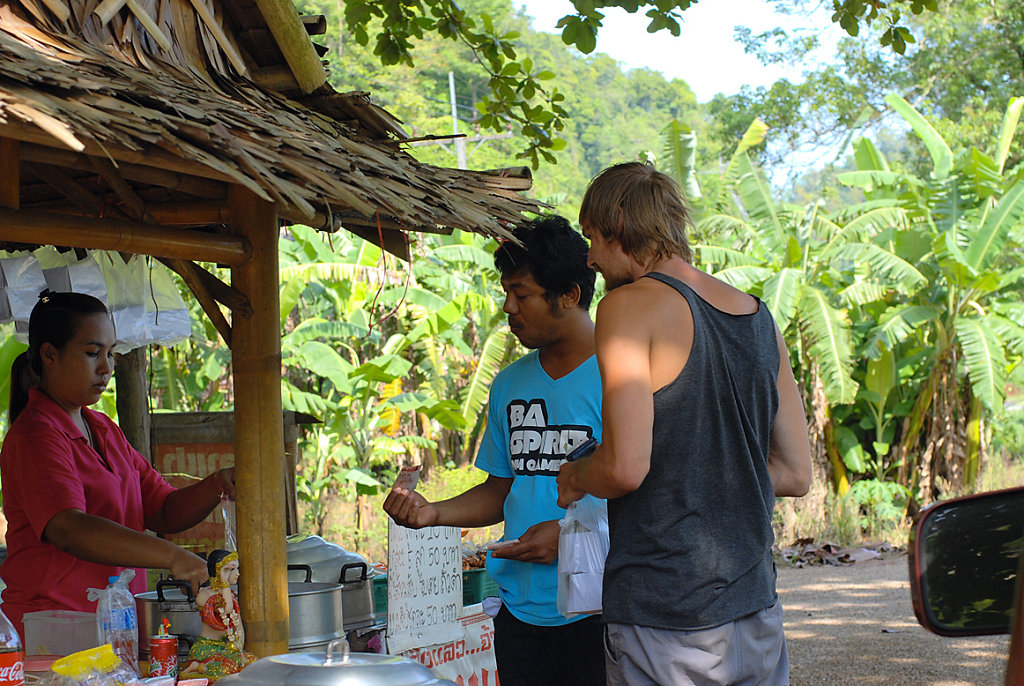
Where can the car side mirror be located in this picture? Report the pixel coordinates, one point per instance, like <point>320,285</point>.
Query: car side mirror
<point>965,562</point>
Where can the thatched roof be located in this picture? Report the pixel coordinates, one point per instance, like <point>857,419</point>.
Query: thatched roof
<point>179,98</point>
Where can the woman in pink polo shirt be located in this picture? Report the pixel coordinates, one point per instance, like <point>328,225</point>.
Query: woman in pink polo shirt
<point>78,498</point>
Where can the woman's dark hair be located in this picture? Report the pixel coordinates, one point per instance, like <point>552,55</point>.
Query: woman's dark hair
<point>553,253</point>
<point>54,320</point>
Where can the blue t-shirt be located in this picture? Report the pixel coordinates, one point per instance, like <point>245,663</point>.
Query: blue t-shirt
<point>532,422</point>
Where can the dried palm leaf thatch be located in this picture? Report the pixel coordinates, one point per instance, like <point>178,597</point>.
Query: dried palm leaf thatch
<point>106,88</point>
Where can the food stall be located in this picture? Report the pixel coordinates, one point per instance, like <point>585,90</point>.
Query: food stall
<point>192,131</point>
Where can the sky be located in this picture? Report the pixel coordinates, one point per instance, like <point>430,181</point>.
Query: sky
<point>705,55</point>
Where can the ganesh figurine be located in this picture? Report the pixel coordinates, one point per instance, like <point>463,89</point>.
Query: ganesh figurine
<point>219,650</point>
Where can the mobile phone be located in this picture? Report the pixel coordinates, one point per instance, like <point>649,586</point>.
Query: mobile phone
<point>582,450</point>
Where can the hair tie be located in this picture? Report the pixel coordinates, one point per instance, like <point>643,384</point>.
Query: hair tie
<point>45,295</point>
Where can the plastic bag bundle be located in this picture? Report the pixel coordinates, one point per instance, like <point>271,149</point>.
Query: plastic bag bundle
<point>582,549</point>
<point>93,667</point>
<point>117,619</point>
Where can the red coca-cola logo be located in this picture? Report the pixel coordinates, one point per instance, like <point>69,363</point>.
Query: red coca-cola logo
<point>12,669</point>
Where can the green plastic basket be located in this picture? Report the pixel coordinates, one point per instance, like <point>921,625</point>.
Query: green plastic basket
<point>477,584</point>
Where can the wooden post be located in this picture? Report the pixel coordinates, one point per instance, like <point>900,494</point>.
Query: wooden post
<point>259,435</point>
<point>133,400</point>
<point>10,179</point>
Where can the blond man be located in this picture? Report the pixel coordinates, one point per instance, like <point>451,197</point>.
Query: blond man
<point>703,427</point>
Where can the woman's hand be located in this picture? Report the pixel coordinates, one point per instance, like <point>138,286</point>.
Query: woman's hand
<point>225,478</point>
<point>186,566</point>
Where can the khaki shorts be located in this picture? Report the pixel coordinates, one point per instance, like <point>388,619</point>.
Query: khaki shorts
<point>750,651</point>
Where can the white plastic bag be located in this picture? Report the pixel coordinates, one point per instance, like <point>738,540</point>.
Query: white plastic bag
<point>582,549</point>
<point>116,618</point>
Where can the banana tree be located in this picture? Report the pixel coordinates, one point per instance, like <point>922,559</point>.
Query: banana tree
<point>811,272</point>
<point>959,334</point>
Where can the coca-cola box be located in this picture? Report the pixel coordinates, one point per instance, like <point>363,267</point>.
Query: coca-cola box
<point>187,446</point>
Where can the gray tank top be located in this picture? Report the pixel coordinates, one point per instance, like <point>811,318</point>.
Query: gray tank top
<point>692,547</point>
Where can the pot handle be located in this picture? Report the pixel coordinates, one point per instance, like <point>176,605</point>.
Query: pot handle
<point>352,565</point>
<point>303,568</point>
<point>185,587</point>
<point>329,651</point>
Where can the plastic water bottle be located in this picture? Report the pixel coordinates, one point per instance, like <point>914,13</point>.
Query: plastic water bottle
<point>12,654</point>
<point>116,618</point>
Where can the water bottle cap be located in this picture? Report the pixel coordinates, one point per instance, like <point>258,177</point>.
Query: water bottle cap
<point>112,579</point>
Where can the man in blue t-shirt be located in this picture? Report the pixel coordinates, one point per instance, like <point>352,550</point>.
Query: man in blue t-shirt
<point>540,408</point>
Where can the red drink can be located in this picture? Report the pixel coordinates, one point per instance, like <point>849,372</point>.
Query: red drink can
<point>163,656</point>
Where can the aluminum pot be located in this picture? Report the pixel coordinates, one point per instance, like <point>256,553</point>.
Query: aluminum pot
<point>329,562</point>
<point>336,666</point>
<point>174,601</point>
<point>315,614</point>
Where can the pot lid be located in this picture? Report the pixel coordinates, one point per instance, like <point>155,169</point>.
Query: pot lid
<point>311,549</point>
<point>334,667</point>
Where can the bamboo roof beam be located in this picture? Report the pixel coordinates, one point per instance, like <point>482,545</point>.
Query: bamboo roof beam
<point>206,14</point>
<point>196,213</point>
<point>150,156</point>
<point>147,23</point>
<point>48,228</point>
<point>136,207</point>
<point>292,38</point>
<point>10,173</point>
<point>192,185</point>
<point>85,200</point>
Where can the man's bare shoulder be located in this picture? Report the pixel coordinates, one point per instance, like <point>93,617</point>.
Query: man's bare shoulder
<point>631,298</point>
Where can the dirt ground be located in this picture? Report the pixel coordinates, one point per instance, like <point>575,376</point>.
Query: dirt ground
<point>855,625</point>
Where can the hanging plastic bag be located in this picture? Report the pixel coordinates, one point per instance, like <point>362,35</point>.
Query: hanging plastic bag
<point>582,549</point>
<point>227,509</point>
<point>144,300</point>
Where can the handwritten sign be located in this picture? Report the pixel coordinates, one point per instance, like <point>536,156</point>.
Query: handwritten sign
<point>424,586</point>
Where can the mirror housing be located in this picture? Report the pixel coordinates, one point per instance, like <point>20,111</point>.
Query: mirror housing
<point>965,562</point>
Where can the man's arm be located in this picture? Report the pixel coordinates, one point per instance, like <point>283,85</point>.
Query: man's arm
<point>482,505</point>
<point>620,464</point>
<point>789,453</point>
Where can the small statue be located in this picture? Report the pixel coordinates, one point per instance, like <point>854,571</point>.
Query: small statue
<point>219,650</point>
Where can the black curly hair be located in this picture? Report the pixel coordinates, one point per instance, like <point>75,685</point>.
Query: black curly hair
<point>553,253</point>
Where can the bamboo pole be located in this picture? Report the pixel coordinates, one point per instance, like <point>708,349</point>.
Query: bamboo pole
<point>290,35</point>
<point>48,228</point>
<point>259,433</point>
<point>132,400</point>
<point>10,177</point>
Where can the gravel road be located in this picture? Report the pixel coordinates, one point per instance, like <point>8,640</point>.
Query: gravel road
<point>855,625</point>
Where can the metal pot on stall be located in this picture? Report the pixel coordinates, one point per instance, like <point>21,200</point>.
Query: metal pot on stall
<point>172,600</point>
<point>336,666</point>
<point>315,611</point>
<point>330,563</point>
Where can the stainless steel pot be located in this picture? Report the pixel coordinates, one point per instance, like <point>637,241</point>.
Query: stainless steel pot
<point>329,562</point>
<point>174,601</point>
<point>315,614</point>
<point>336,666</point>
